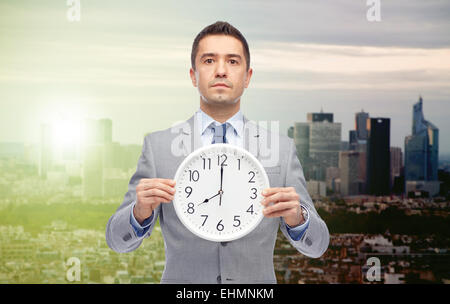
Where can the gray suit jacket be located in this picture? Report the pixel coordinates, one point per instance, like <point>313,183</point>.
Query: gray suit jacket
<point>190,259</point>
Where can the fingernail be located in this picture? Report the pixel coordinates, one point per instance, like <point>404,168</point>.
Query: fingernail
<point>264,192</point>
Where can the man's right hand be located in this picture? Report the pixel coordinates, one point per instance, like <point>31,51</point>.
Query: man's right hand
<point>150,192</point>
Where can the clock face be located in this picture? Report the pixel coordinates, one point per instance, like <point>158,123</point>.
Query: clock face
<point>218,192</point>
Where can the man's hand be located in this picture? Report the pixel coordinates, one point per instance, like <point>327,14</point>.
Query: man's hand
<point>150,192</point>
<point>286,203</point>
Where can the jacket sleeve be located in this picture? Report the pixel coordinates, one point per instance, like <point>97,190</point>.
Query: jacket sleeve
<point>314,241</point>
<point>120,234</point>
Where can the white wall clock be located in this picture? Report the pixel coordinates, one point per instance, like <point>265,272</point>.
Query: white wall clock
<point>218,192</point>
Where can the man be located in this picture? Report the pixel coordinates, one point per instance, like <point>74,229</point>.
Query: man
<point>221,71</point>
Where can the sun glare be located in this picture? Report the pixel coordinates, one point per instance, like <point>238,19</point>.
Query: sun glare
<point>66,133</point>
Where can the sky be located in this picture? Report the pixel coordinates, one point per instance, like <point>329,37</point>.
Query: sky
<point>129,61</point>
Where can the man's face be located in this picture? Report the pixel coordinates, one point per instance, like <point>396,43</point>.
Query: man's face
<point>221,70</point>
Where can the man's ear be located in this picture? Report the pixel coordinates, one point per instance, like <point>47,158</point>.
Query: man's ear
<point>249,76</point>
<point>193,78</point>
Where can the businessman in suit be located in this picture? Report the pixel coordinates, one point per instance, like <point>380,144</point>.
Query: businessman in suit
<point>221,71</point>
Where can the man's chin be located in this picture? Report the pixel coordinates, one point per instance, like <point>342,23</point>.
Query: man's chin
<point>220,100</point>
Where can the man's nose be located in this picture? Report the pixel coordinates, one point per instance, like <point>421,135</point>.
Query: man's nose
<point>221,69</point>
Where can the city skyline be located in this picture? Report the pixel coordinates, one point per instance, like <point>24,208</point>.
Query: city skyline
<point>73,128</point>
<point>121,61</point>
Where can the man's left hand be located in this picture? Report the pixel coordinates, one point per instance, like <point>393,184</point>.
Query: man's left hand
<point>286,203</point>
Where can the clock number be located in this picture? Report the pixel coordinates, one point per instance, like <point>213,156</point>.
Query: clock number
<point>254,193</point>
<point>251,178</point>
<point>219,226</point>
<point>204,163</point>
<point>193,175</point>
<point>236,219</point>
<point>223,161</point>
<point>190,208</point>
<point>188,190</point>
<point>206,217</point>
<point>239,164</point>
<point>250,209</point>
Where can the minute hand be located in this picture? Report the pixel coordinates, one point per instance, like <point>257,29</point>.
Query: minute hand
<point>221,177</point>
<point>221,180</point>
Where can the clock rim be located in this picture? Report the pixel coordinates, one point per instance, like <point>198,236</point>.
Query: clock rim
<point>194,154</point>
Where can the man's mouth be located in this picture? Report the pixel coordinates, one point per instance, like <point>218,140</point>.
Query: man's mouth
<point>220,85</point>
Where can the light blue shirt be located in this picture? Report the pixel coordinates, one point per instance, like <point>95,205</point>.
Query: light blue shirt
<point>234,136</point>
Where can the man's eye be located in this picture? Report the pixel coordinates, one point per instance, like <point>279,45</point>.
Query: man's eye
<point>209,60</point>
<point>232,61</point>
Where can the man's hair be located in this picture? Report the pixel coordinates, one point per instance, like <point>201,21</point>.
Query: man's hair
<point>220,28</point>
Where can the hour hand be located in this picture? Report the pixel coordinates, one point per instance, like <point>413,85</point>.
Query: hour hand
<point>207,199</point>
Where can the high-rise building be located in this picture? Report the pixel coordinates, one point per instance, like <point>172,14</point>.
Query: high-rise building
<point>353,139</point>
<point>378,156</point>
<point>319,117</point>
<point>97,135</point>
<point>93,171</point>
<point>352,172</point>
<point>332,175</point>
<point>396,163</point>
<point>301,140</point>
<point>46,150</point>
<point>361,125</point>
<point>318,143</point>
<point>421,148</point>
<point>421,152</point>
<point>97,131</point>
<point>324,147</point>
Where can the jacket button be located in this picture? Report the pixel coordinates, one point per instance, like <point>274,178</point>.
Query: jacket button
<point>223,243</point>
<point>219,279</point>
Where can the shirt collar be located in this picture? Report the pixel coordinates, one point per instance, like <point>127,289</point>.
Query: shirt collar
<point>236,121</point>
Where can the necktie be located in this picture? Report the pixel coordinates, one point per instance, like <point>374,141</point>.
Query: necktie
<point>219,133</point>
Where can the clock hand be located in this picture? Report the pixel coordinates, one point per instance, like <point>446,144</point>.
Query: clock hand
<point>207,199</point>
<point>221,180</point>
<point>221,177</point>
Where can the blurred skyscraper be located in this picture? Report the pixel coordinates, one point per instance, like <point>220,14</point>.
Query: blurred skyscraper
<point>358,137</point>
<point>97,131</point>
<point>46,150</point>
<point>352,172</point>
<point>319,117</point>
<point>421,154</point>
<point>397,171</point>
<point>318,142</point>
<point>353,163</point>
<point>353,140</point>
<point>361,125</point>
<point>301,140</point>
<point>106,164</point>
<point>378,156</point>
<point>96,135</point>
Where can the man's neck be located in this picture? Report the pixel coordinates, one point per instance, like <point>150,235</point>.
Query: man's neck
<point>220,113</point>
